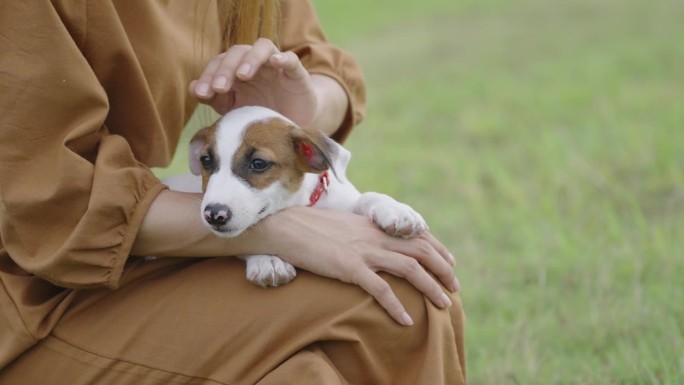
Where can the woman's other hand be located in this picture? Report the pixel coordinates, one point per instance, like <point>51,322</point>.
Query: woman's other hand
<point>258,74</point>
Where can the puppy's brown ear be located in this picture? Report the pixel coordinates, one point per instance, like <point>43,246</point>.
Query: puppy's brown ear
<point>314,152</point>
<point>196,143</point>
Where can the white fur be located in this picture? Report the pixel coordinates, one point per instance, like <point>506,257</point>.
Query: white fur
<point>245,201</point>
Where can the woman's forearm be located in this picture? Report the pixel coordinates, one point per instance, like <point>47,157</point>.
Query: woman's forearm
<point>332,104</point>
<point>173,227</point>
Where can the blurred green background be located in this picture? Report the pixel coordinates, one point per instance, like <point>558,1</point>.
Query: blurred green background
<point>543,141</point>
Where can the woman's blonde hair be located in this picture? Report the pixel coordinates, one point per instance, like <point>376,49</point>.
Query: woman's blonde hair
<point>247,20</point>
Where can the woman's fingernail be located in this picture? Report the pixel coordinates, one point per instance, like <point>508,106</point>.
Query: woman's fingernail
<point>406,319</point>
<point>456,285</point>
<point>244,69</point>
<point>446,302</point>
<point>451,257</point>
<point>221,82</point>
<point>203,89</point>
<point>279,57</point>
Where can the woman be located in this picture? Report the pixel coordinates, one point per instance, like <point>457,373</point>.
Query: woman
<point>93,94</point>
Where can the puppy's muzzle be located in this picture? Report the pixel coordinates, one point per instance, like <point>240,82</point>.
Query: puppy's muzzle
<point>217,215</point>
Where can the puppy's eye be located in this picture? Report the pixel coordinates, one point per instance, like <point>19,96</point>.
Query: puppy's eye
<point>259,165</point>
<point>207,161</point>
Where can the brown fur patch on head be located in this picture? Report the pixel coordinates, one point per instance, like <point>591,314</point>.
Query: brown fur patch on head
<point>268,140</point>
<point>203,144</point>
<point>314,150</point>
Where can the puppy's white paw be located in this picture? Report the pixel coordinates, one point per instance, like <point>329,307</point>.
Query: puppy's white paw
<point>398,219</point>
<point>394,217</point>
<point>268,270</point>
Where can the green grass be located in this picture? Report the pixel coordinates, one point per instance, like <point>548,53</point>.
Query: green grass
<point>544,143</point>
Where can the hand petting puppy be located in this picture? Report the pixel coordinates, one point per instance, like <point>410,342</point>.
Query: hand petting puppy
<point>262,75</point>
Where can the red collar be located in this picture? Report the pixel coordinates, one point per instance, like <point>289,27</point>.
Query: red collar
<point>321,187</point>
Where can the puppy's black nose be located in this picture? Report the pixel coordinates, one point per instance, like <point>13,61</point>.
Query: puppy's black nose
<point>217,214</point>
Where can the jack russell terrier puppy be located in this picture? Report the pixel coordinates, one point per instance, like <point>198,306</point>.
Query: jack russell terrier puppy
<point>254,162</point>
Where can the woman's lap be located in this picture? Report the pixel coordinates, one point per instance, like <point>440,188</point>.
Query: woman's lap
<point>202,322</point>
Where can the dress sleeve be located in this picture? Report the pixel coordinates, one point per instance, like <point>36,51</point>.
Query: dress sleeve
<point>301,33</point>
<point>72,195</point>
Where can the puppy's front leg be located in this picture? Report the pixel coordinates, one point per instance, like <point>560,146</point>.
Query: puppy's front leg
<point>268,270</point>
<point>394,217</point>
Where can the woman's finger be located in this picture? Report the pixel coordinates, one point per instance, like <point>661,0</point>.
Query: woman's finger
<point>201,88</point>
<point>223,75</point>
<point>441,249</point>
<point>252,61</point>
<point>423,251</point>
<point>377,287</point>
<point>290,64</point>
<point>410,269</point>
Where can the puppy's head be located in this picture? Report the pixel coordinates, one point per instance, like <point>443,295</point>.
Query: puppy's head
<point>252,161</point>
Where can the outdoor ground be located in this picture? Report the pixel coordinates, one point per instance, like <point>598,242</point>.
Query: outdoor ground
<point>543,140</point>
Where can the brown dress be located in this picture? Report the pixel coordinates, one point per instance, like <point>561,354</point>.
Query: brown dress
<point>93,93</point>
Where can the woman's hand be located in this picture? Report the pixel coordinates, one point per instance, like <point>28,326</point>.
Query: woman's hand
<point>258,75</point>
<point>351,248</point>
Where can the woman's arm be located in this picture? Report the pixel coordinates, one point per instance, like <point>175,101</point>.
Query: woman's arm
<point>329,115</point>
<point>261,74</point>
<point>331,243</point>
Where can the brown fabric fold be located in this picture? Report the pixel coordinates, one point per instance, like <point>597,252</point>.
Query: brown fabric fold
<point>201,322</point>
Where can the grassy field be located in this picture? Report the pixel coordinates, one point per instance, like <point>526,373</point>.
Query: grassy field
<point>544,143</point>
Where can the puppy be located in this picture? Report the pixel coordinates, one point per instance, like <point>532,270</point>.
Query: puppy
<point>254,162</point>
